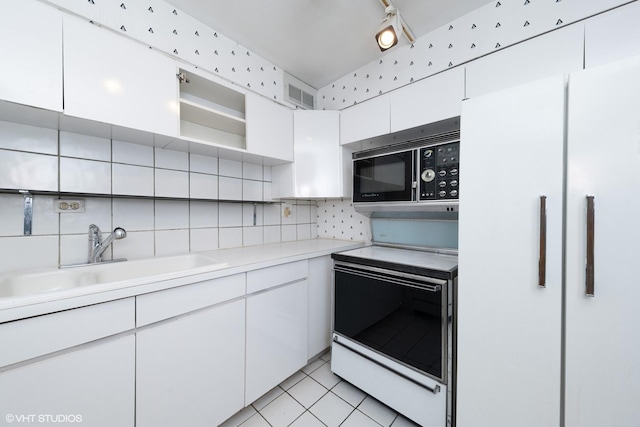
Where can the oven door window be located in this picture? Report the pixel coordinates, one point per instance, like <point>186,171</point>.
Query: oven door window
<point>402,322</point>
<point>386,178</point>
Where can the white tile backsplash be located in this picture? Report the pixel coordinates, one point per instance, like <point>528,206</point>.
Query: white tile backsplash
<point>85,176</point>
<point>132,154</point>
<point>132,180</point>
<point>172,214</point>
<point>230,188</point>
<point>252,236</point>
<point>14,136</point>
<point>172,242</point>
<point>203,186</point>
<point>170,159</point>
<point>134,214</point>
<point>96,211</point>
<point>171,183</point>
<point>230,168</point>
<point>203,214</point>
<point>28,171</point>
<point>230,237</point>
<point>85,146</point>
<point>204,239</point>
<point>252,171</point>
<point>251,190</point>
<point>203,164</point>
<point>230,215</point>
<point>137,245</point>
<point>162,199</point>
<point>28,252</point>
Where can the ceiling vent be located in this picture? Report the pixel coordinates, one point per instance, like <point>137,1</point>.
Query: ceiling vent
<point>298,93</point>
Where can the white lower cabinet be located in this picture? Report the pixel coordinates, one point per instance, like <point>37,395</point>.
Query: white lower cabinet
<point>190,370</point>
<point>320,309</point>
<point>276,337</point>
<point>93,385</point>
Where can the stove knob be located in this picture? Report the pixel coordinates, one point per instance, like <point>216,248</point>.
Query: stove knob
<point>453,183</point>
<point>454,171</point>
<point>453,193</point>
<point>442,184</point>
<point>428,175</point>
<point>442,172</point>
<point>428,153</point>
<point>442,193</point>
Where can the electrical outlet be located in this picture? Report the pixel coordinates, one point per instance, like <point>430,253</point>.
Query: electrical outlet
<point>287,210</point>
<point>68,205</point>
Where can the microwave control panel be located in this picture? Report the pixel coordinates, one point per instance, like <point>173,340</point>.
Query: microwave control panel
<point>439,172</point>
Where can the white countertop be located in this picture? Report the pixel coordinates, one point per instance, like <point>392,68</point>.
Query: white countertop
<point>239,260</point>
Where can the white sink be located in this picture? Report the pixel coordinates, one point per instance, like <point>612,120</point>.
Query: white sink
<point>54,280</point>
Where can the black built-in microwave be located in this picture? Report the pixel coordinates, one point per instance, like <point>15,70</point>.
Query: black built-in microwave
<point>425,172</point>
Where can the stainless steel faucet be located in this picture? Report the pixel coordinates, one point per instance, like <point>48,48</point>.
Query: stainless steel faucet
<point>97,246</point>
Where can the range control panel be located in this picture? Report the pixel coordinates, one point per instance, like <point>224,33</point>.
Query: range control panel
<point>439,172</point>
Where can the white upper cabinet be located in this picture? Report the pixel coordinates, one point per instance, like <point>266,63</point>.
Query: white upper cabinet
<point>321,167</point>
<point>612,36</point>
<point>430,100</point>
<point>111,79</point>
<point>558,52</point>
<point>269,128</point>
<point>365,120</point>
<point>31,45</point>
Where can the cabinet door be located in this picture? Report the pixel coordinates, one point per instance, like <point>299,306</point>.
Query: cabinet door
<point>91,386</point>
<point>276,337</point>
<point>190,370</point>
<point>320,279</point>
<point>430,100</point>
<point>269,128</point>
<point>112,79</point>
<point>365,120</point>
<point>558,52</point>
<point>612,36</point>
<point>509,328</point>
<point>31,45</point>
<point>602,346</point>
<point>318,157</point>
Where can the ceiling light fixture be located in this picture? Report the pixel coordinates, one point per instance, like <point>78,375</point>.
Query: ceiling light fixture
<point>391,27</point>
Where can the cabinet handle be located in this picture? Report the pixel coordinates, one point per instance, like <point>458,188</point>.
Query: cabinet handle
<point>542,261</point>
<point>590,281</point>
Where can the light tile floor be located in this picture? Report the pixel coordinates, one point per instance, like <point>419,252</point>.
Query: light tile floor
<point>315,397</point>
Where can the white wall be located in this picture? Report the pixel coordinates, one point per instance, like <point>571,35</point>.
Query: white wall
<point>488,29</point>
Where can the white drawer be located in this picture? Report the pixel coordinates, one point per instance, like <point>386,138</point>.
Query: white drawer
<point>169,303</point>
<point>266,278</point>
<point>25,339</point>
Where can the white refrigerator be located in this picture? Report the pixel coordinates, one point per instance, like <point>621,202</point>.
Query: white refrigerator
<point>547,321</point>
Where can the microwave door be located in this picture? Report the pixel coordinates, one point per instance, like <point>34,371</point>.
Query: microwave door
<point>385,178</point>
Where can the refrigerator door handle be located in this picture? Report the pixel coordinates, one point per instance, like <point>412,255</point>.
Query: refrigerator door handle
<point>590,273</point>
<point>542,260</point>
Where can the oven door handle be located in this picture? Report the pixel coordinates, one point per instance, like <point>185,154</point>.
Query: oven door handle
<point>405,279</point>
<point>435,389</point>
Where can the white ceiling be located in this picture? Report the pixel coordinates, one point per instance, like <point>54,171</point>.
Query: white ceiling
<point>318,41</point>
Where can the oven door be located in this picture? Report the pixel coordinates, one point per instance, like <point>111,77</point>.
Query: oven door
<point>401,316</point>
<point>384,178</point>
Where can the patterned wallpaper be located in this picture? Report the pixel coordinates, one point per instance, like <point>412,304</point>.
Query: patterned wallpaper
<point>161,26</point>
<point>490,28</point>
<point>338,220</point>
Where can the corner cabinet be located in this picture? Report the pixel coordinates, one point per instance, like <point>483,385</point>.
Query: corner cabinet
<point>111,79</point>
<point>269,128</point>
<point>31,42</point>
<point>321,166</point>
<point>555,320</point>
<point>365,120</point>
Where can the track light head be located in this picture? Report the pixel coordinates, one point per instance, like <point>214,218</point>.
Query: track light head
<point>391,27</point>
